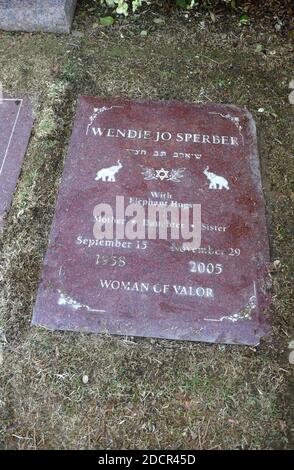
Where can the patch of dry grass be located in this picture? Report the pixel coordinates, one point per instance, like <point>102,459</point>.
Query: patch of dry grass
<point>160,394</point>
<point>142,393</point>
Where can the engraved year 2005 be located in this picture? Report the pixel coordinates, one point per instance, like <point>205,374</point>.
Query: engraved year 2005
<point>205,268</point>
<point>108,260</point>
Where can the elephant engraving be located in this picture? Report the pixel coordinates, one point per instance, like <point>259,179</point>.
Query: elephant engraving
<point>108,174</point>
<point>215,181</point>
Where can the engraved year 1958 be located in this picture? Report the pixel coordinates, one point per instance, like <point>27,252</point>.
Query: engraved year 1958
<point>107,260</point>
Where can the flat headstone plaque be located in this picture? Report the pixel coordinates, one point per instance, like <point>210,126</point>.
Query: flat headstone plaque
<point>15,127</point>
<point>157,154</point>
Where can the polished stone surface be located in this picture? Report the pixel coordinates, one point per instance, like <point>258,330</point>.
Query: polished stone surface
<point>153,153</point>
<point>15,127</point>
<point>37,15</point>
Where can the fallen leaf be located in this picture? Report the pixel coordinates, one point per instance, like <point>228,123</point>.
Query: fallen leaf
<point>106,20</point>
<point>182,3</point>
<point>291,97</point>
<point>259,48</point>
<point>212,16</point>
<point>159,20</point>
<point>277,264</point>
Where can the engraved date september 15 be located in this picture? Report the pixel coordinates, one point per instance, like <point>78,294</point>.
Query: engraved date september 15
<point>107,260</point>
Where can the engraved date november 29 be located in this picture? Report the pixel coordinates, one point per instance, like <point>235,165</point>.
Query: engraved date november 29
<point>108,260</point>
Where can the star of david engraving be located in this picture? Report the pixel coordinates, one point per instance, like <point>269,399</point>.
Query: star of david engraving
<point>162,174</point>
<point>174,175</point>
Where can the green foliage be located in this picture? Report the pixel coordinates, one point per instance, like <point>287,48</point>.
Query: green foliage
<point>188,4</point>
<point>259,48</point>
<point>159,20</point>
<point>244,20</point>
<point>122,6</point>
<point>106,20</point>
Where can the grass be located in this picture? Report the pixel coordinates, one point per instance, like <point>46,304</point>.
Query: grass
<point>142,393</point>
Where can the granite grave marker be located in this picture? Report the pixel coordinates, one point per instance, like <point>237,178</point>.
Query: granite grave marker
<point>15,127</point>
<point>156,154</point>
<point>37,15</point>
